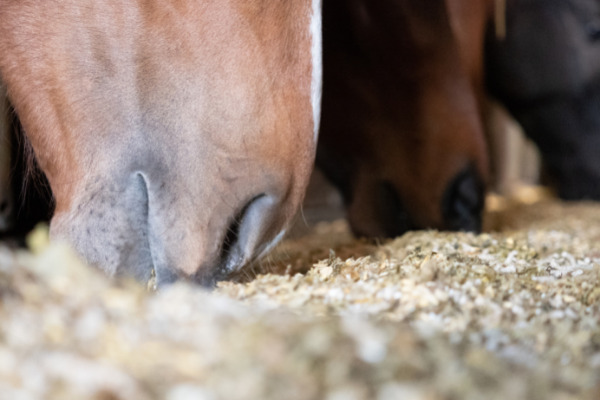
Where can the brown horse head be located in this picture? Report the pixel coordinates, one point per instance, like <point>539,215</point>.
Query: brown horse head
<point>401,133</point>
<point>176,135</point>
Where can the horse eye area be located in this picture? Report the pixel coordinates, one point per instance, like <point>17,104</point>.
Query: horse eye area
<point>463,202</point>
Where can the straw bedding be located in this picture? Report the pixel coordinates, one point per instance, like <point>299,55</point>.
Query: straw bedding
<point>513,314</point>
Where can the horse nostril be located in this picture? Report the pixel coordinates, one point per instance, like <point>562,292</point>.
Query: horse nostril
<point>244,234</point>
<point>232,235</point>
<point>463,202</point>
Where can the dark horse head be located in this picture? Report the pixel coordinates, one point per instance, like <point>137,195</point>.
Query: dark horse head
<point>547,73</point>
<point>401,133</point>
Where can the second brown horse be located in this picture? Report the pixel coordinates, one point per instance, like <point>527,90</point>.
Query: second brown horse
<point>401,133</point>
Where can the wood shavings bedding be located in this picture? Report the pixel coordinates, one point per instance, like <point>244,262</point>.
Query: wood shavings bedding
<point>512,314</point>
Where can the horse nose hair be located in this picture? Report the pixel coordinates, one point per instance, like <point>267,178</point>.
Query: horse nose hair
<point>463,201</point>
